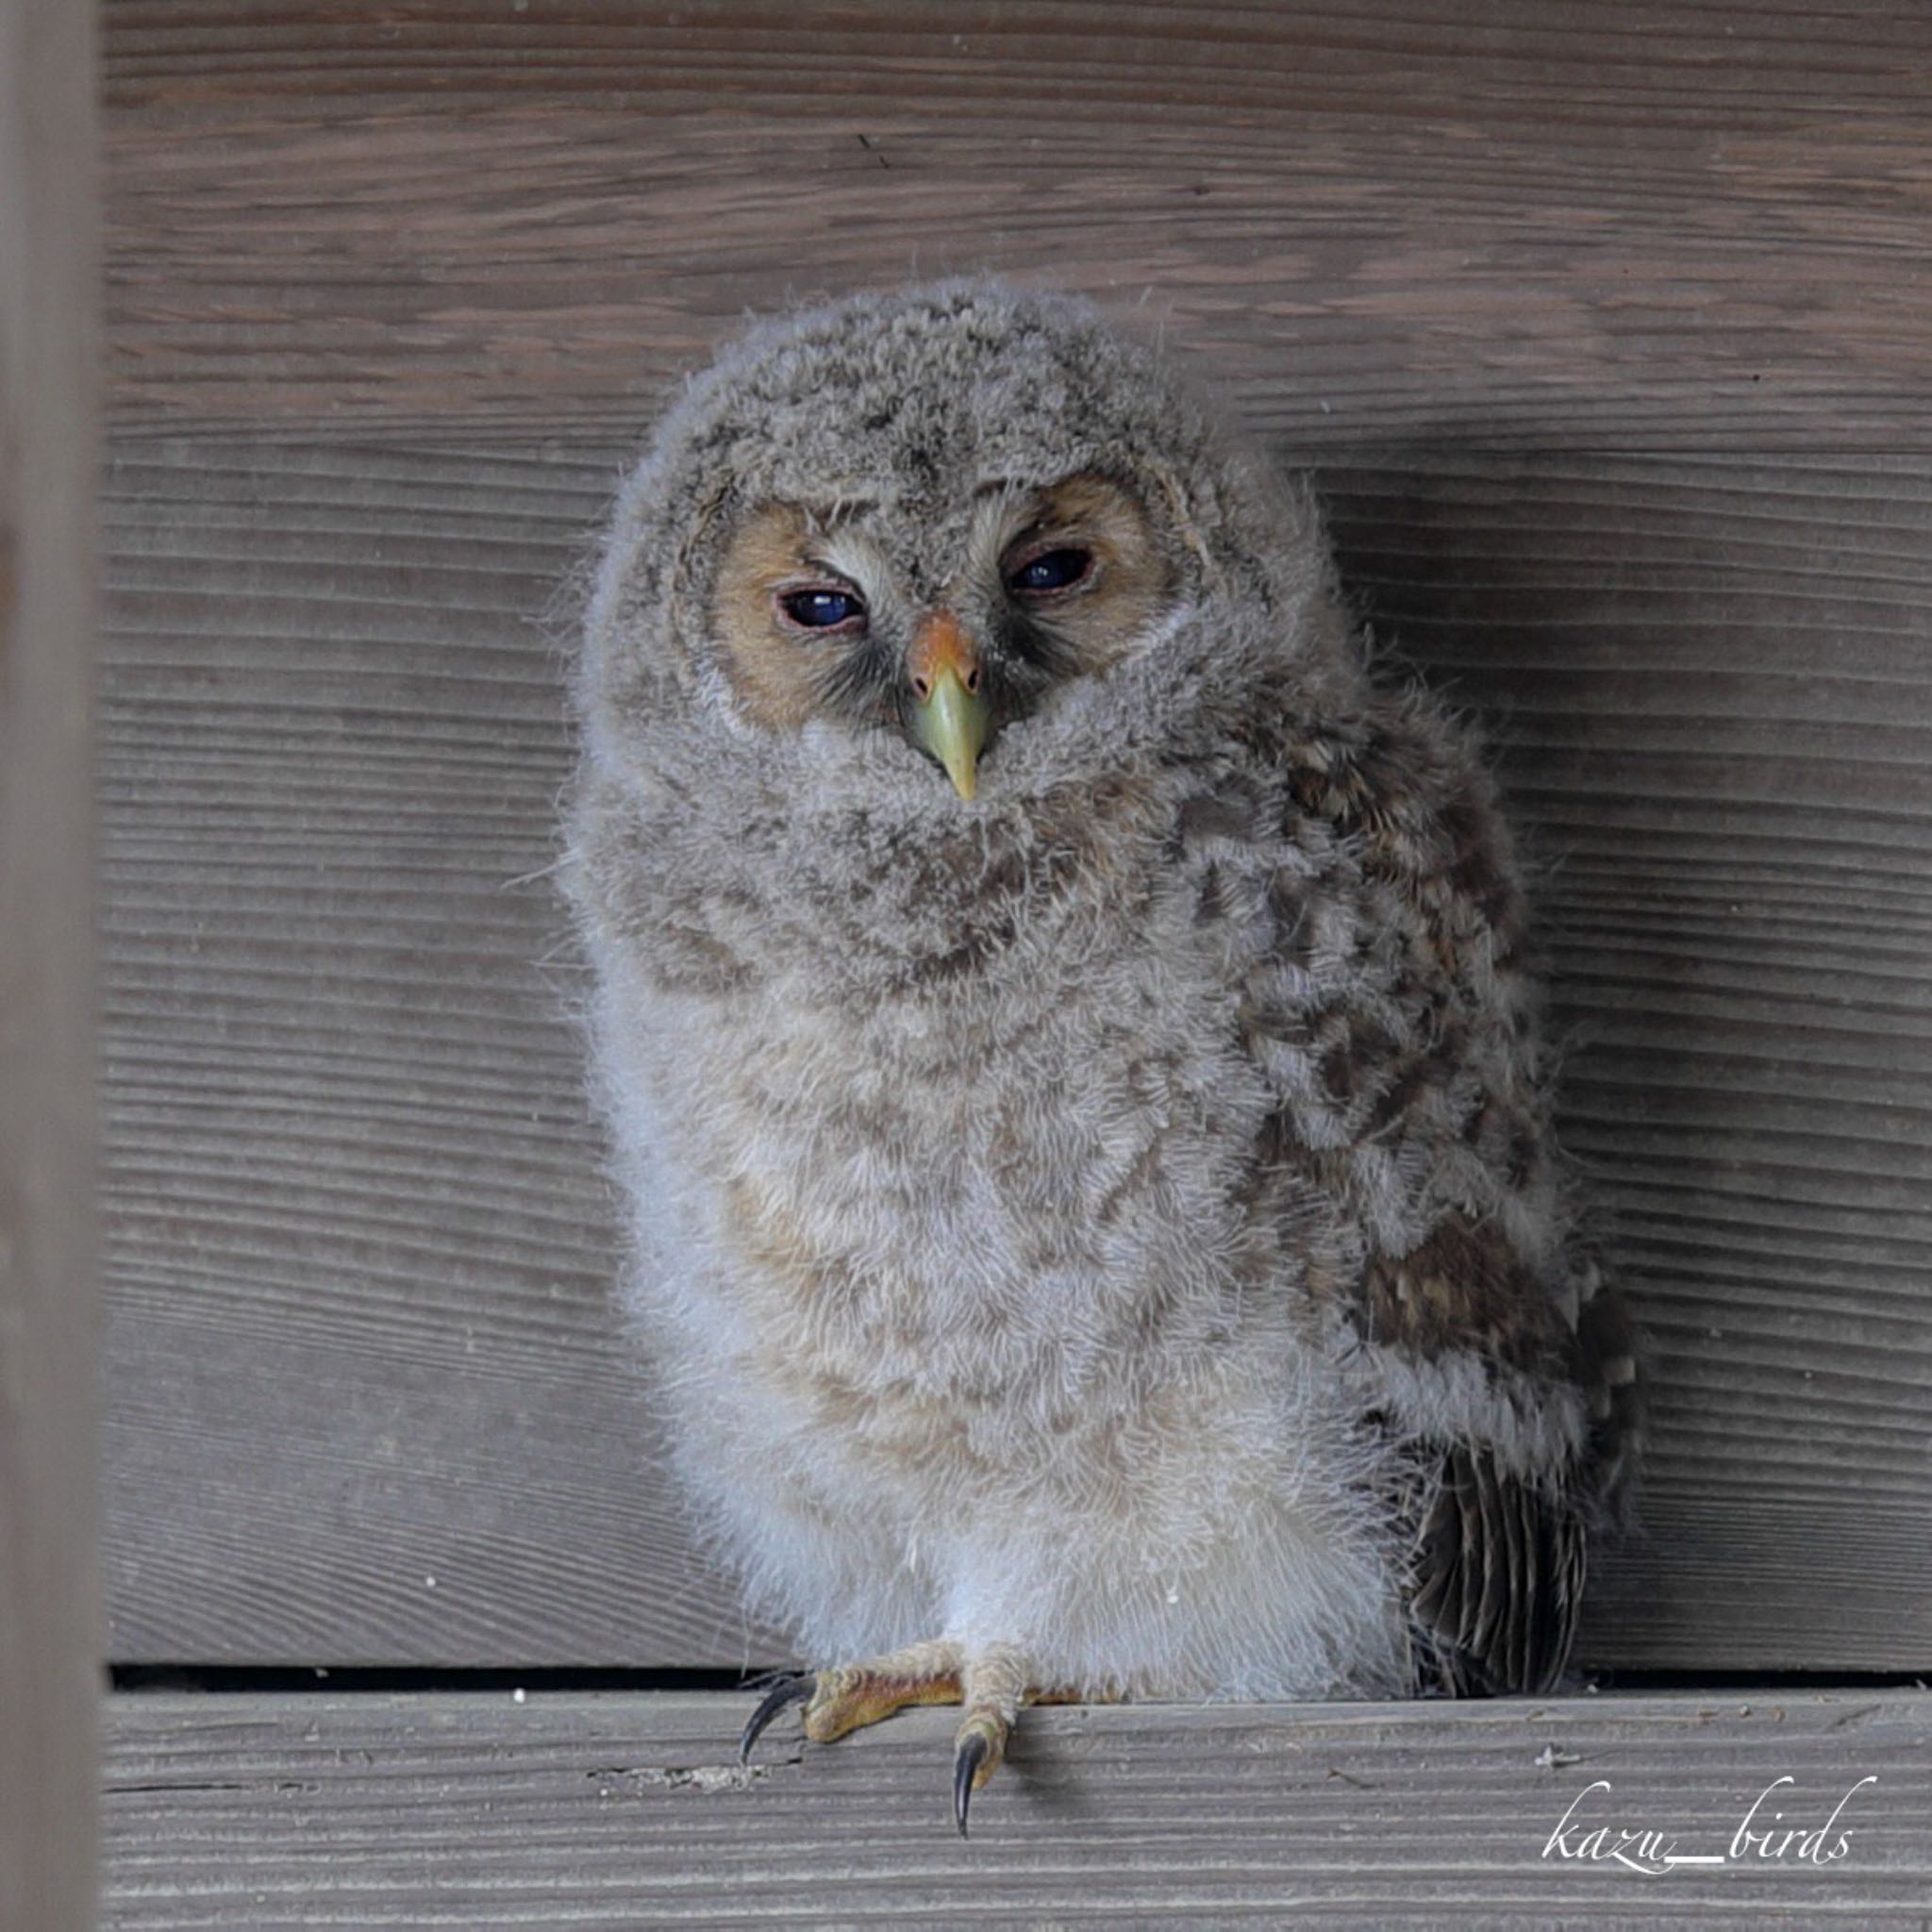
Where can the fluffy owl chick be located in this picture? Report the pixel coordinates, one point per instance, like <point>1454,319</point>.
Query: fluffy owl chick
<point>1066,1037</point>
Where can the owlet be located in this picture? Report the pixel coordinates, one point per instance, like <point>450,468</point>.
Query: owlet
<point>1070,1051</point>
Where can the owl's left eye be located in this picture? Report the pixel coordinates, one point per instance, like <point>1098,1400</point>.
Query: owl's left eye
<point>821,609</point>
<point>1052,570</point>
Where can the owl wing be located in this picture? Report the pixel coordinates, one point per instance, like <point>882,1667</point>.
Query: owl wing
<point>1497,1565</point>
<point>1403,1040</point>
<point>1498,1576</point>
<point>1494,1505</point>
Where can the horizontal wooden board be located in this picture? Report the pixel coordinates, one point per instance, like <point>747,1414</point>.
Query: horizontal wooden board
<point>465,1810</point>
<point>1642,225</point>
<point>368,1399</point>
<point>1654,60</point>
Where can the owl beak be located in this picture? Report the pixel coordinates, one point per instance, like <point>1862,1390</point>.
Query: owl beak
<point>953,716</point>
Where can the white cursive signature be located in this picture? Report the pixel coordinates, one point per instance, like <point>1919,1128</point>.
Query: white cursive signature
<point>1655,1853</point>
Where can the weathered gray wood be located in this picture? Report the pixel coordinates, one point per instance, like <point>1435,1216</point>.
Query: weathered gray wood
<point>368,1398</point>
<point>1636,223</point>
<point>370,1810</point>
<point>49,1619</point>
<point>359,1255</point>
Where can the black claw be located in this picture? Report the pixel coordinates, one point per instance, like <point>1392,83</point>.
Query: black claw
<point>966,1762</point>
<point>788,1690</point>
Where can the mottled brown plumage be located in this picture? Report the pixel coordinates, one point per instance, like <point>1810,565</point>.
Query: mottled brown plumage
<point>1072,1051</point>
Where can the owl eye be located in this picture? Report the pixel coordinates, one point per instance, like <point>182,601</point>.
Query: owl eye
<point>822,609</point>
<point>1052,570</point>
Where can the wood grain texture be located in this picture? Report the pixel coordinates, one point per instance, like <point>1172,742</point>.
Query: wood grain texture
<point>49,1612</point>
<point>359,1255</point>
<point>1632,224</point>
<point>369,1402</point>
<point>367,1811</point>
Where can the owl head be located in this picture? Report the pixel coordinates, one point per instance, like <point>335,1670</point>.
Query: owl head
<point>949,543</point>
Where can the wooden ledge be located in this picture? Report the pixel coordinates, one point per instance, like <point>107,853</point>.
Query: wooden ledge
<point>474,1810</point>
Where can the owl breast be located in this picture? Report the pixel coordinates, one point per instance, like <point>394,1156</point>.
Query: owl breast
<point>1003,1181</point>
<point>966,1221</point>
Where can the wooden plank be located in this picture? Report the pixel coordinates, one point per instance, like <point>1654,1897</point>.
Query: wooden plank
<point>369,1399</point>
<point>1632,224</point>
<point>263,1812</point>
<point>359,1255</point>
<point>49,1616</point>
<point>1658,60</point>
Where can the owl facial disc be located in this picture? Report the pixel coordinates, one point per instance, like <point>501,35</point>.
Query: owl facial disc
<point>953,716</point>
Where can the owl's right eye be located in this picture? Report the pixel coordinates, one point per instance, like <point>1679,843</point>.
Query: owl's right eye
<point>820,609</point>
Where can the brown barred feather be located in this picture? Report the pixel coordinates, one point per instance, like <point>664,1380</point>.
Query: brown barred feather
<point>1498,1565</point>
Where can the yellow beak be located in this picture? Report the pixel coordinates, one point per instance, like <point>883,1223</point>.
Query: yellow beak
<point>954,717</point>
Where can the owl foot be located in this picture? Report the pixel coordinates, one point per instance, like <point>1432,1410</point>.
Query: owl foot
<point>992,1685</point>
<point>855,1695</point>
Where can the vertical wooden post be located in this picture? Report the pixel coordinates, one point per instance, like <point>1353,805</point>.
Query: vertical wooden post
<point>49,1641</point>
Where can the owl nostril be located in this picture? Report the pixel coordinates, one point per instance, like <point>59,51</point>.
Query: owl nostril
<point>972,680</point>
<point>922,686</point>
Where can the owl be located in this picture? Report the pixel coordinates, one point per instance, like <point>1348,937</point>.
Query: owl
<point>1070,1053</point>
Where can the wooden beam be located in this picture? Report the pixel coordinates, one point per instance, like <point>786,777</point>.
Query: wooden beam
<point>256,1813</point>
<point>1630,226</point>
<point>49,1632</point>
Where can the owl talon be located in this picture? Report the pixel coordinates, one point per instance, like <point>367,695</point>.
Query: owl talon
<point>968,1756</point>
<point>979,1748</point>
<point>793,1689</point>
